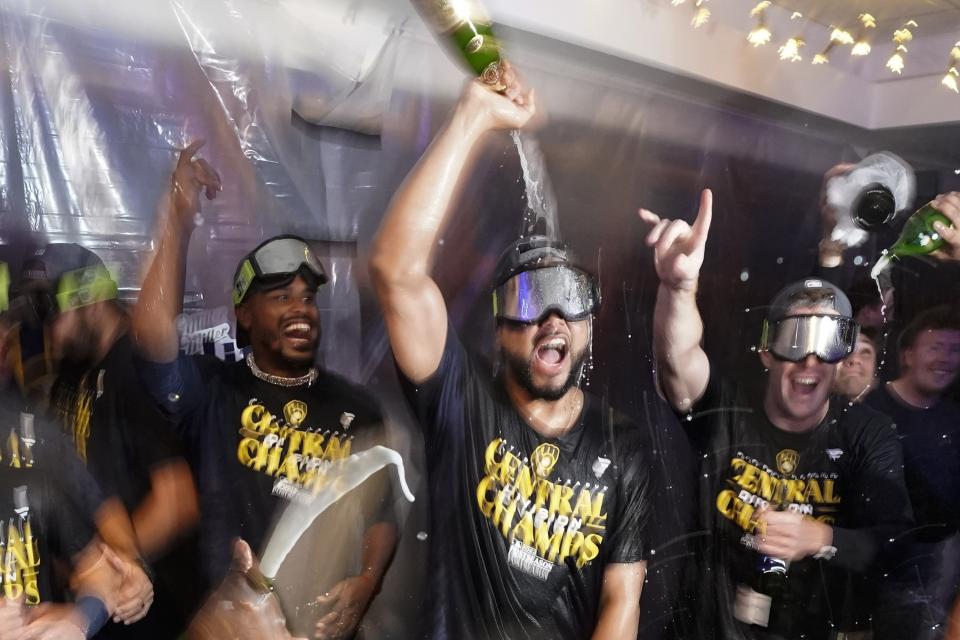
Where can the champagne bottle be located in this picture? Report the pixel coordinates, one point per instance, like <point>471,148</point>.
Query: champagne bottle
<point>467,28</point>
<point>772,582</point>
<point>918,237</point>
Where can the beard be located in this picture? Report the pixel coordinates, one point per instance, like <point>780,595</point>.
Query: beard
<point>78,350</point>
<point>522,371</point>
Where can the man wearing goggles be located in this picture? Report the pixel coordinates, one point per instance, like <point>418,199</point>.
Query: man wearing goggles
<point>535,289</point>
<point>795,479</point>
<point>263,432</point>
<point>491,439</point>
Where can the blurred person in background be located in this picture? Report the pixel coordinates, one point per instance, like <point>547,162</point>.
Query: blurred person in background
<point>857,373</point>
<point>58,581</point>
<point>798,488</point>
<point>263,431</point>
<point>98,400</point>
<point>922,570</point>
<point>514,455</point>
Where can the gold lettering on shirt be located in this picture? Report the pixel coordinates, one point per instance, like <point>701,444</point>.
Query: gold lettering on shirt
<point>751,486</point>
<point>543,521</point>
<point>297,458</point>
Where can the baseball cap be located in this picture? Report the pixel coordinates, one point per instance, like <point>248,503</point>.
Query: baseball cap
<point>70,274</point>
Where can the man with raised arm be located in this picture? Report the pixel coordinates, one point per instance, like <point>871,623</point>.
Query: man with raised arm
<point>267,430</point>
<point>538,491</point>
<point>797,487</point>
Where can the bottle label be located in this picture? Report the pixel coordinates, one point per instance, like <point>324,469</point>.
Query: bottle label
<point>752,607</point>
<point>773,565</point>
<point>491,76</point>
<point>474,45</point>
<point>445,15</point>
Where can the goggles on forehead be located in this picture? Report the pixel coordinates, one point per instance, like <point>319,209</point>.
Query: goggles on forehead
<point>280,257</point>
<point>36,302</point>
<point>793,338</point>
<point>528,296</point>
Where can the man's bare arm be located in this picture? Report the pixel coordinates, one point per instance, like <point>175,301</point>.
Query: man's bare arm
<point>161,296</point>
<point>682,366</point>
<point>169,511</point>
<point>619,614</point>
<point>400,263</point>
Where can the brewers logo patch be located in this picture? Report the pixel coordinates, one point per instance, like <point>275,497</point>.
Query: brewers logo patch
<point>787,461</point>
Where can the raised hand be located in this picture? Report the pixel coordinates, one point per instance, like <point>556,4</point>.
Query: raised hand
<point>678,247</point>
<point>949,205</point>
<point>347,602</point>
<point>486,110</point>
<point>191,176</point>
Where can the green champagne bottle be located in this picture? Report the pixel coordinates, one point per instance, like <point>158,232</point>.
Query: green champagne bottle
<point>467,29</point>
<point>918,237</point>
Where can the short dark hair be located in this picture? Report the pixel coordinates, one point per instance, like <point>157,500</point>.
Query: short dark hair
<point>945,317</point>
<point>872,334</point>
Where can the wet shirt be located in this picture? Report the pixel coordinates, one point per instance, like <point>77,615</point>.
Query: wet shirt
<point>117,431</point>
<point>47,505</point>
<point>846,473</point>
<point>522,526</point>
<point>255,446</point>
<point>931,456</point>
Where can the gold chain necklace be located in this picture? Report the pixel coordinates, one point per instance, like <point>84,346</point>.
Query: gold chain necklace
<point>308,378</point>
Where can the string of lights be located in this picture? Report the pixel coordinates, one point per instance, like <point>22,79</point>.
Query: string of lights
<point>859,39</point>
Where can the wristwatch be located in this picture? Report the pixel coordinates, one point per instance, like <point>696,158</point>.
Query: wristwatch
<point>826,552</point>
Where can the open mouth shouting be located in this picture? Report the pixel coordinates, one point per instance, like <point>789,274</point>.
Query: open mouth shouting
<point>804,385</point>
<point>551,354</point>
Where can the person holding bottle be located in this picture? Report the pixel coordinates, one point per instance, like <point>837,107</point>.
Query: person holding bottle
<point>798,488</point>
<point>514,458</point>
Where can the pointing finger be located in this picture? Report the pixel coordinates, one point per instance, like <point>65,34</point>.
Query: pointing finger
<point>701,226</point>
<point>186,156</point>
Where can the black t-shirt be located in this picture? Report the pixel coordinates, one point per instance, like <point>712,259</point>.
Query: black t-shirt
<point>117,430</point>
<point>846,472</point>
<point>47,505</point>
<point>931,456</point>
<point>253,445</point>
<point>523,526</point>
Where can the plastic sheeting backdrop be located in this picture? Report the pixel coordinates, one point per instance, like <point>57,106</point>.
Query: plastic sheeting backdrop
<point>91,122</point>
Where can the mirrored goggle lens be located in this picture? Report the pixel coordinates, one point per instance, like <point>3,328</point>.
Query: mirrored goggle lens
<point>830,338</point>
<point>529,295</point>
<point>286,255</point>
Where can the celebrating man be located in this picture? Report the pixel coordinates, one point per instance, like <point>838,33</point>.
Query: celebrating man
<point>539,495</point>
<point>263,431</point>
<point>795,486</point>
